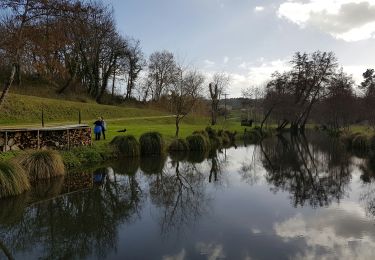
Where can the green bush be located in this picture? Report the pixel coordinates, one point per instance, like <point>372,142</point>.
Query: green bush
<point>13,179</point>
<point>152,143</point>
<point>43,164</point>
<point>198,142</point>
<point>178,145</point>
<point>126,145</point>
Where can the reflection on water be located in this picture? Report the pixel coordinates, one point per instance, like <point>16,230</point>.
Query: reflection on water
<point>287,198</point>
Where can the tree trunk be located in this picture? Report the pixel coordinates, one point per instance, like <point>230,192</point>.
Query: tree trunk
<point>113,83</point>
<point>177,126</point>
<point>266,117</point>
<point>7,85</point>
<point>6,251</point>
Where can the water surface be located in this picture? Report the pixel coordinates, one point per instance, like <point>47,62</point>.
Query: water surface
<point>288,198</point>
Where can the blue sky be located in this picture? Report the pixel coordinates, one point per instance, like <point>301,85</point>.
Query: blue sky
<point>250,39</point>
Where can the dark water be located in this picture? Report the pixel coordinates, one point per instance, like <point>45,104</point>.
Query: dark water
<point>288,198</point>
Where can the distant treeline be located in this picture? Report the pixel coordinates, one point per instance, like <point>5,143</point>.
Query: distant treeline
<point>315,89</point>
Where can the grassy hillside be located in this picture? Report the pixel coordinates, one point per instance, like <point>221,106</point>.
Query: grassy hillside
<point>27,110</point>
<point>21,109</point>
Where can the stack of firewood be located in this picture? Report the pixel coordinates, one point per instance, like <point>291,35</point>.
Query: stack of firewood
<point>47,139</point>
<point>15,141</point>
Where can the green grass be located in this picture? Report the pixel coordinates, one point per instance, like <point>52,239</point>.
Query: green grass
<point>20,109</point>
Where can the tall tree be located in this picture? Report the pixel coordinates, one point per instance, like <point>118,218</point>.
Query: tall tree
<point>162,70</point>
<point>220,82</point>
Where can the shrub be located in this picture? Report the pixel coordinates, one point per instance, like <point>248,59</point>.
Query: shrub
<point>126,145</point>
<point>198,142</point>
<point>13,179</point>
<point>201,132</point>
<point>179,145</point>
<point>42,164</point>
<point>151,143</point>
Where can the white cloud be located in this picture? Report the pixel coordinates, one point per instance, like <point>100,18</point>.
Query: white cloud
<point>329,229</point>
<point>349,20</point>
<point>208,63</point>
<point>226,59</point>
<point>259,9</point>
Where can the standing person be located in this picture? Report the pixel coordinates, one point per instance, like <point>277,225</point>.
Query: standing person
<point>98,128</point>
<point>104,127</point>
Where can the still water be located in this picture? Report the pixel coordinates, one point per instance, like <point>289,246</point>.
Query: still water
<point>288,198</point>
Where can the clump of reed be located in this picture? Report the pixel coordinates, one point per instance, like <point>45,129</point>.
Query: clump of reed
<point>224,137</point>
<point>43,164</point>
<point>178,145</point>
<point>126,145</point>
<point>216,141</point>
<point>198,142</point>
<point>152,143</point>
<point>13,179</point>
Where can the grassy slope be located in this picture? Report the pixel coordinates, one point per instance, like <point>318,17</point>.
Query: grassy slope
<point>21,109</point>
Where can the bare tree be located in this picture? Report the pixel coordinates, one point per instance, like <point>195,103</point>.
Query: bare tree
<point>185,91</point>
<point>134,64</point>
<point>162,69</point>
<point>220,82</point>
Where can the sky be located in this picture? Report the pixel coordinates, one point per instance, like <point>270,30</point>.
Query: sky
<point>250,39</point>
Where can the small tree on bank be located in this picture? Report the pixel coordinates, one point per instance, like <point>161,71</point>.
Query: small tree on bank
<point>185,92</point>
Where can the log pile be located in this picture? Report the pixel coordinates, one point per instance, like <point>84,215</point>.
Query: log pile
<point>45,138</point>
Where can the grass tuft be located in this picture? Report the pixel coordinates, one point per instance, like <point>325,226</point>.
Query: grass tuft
<point>178,145</point>
<point>198,142</point>
<point>13,180</point>
<point>152,143</point>
<point>126,145</point>
<point>44,164</point>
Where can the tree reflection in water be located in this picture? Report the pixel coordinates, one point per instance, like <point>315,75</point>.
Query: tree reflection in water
<point>316,172</point>
<point>178,191</point>
<point>77,225</point>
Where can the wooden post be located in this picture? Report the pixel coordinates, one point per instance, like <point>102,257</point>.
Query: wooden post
<point>79,116</point>
<point>67,132</point>
<point>38,138</point>
<point>42,117</point>
<point>6,141</point>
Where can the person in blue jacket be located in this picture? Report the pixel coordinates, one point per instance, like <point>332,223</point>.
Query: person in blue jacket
<point>98,127</point>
